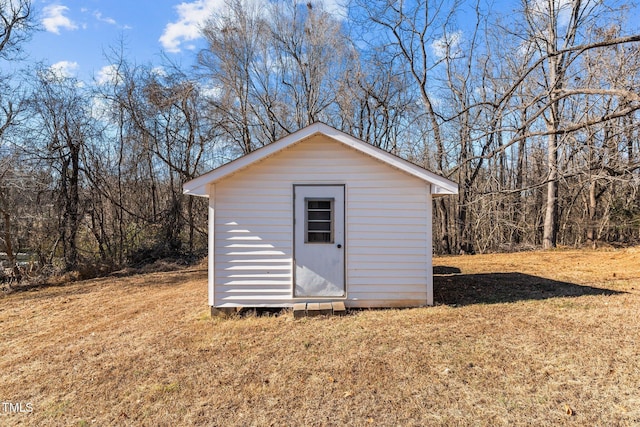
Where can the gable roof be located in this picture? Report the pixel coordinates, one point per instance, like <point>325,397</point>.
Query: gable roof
<point>439,184</point>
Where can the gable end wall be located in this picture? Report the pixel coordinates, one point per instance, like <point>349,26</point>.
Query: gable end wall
<point>388,229</point>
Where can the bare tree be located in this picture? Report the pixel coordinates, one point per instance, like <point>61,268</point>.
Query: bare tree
<point>236,38</point>
<point>557,32</point>
<point>8,235</point>
<point>11,112</point>
<point>16,26</point>
<point>63,124</point>
<point>162,140</point>
<point>181,137</point>
<point>411,29</point>
<point>312,55</point>
<point>374,103</point>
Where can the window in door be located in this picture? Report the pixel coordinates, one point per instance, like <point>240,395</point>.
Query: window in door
<point>318,220</point>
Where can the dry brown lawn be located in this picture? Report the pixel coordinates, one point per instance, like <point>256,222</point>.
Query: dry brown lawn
<point>538,338</point>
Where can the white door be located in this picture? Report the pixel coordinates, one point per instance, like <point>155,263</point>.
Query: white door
<point>319,240</point>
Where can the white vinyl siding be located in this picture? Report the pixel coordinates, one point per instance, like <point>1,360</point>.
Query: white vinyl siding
<point>252,243</point>
<point>388,235</point>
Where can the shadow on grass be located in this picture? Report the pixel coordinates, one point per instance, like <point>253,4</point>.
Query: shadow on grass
<point>452,288</point>
<point>131,278</point>
<point>37,291</point>
<point>442,269</point>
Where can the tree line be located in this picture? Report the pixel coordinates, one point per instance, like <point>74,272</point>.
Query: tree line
<point>533,110</point>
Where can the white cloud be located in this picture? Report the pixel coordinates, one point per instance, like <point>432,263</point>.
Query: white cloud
<point>64,69</point>
<point>98,15</point>
<point>337,8</point>
<point>211,91</point>
<point>191,17</point>
<point>100,108</point>
<point>562,8</point>
<point>108,75</point>
<point>159,71</point>
<point>448,44</point>
<point>55,19</point>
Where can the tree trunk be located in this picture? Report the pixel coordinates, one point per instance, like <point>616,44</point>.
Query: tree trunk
<point>593,204</point>
<point>444,231</point>
<point>73,202</point>
<point>518,199</point>
<point>8,246</point>
<point>550,234</point>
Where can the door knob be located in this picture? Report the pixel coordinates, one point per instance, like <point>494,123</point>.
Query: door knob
<point>339,246</point>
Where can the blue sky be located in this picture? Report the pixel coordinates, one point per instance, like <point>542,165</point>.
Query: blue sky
<point>74,35</point>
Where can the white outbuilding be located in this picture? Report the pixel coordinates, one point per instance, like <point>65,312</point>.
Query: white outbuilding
<point>320,216</point>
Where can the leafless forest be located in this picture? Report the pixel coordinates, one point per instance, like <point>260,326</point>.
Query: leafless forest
<point>531,107</point>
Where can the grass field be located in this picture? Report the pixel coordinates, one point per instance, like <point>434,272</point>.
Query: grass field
<point>537,338</point>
